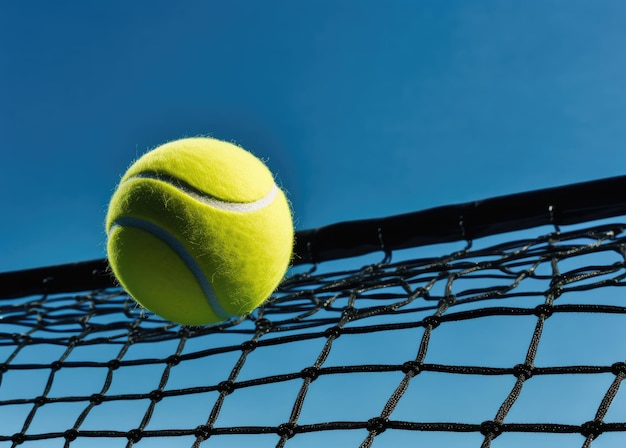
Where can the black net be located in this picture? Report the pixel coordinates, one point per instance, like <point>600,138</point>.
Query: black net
<point>509,340</point>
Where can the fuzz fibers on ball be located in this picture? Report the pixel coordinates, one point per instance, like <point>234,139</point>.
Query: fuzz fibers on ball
<point>198,231</point>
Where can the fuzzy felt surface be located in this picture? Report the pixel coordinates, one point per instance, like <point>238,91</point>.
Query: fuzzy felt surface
<point>216,168</point>
<point>165,246</point>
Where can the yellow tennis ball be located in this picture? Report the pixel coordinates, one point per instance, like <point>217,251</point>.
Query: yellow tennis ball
<point>198,231</point>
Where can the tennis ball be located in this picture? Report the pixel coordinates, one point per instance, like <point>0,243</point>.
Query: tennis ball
<point>198,231</point>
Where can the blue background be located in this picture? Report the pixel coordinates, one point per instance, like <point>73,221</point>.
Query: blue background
<point>362,108</point>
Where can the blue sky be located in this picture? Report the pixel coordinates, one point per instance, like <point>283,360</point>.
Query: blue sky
<point>361,108</point>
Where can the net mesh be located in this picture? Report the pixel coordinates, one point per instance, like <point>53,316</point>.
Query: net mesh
<point>504,341</point>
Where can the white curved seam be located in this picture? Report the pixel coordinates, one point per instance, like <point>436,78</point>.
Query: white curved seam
<point>181,251</point>
<point>241,207</point>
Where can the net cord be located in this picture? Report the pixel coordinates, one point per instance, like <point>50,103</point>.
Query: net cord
<point>564,205</point>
